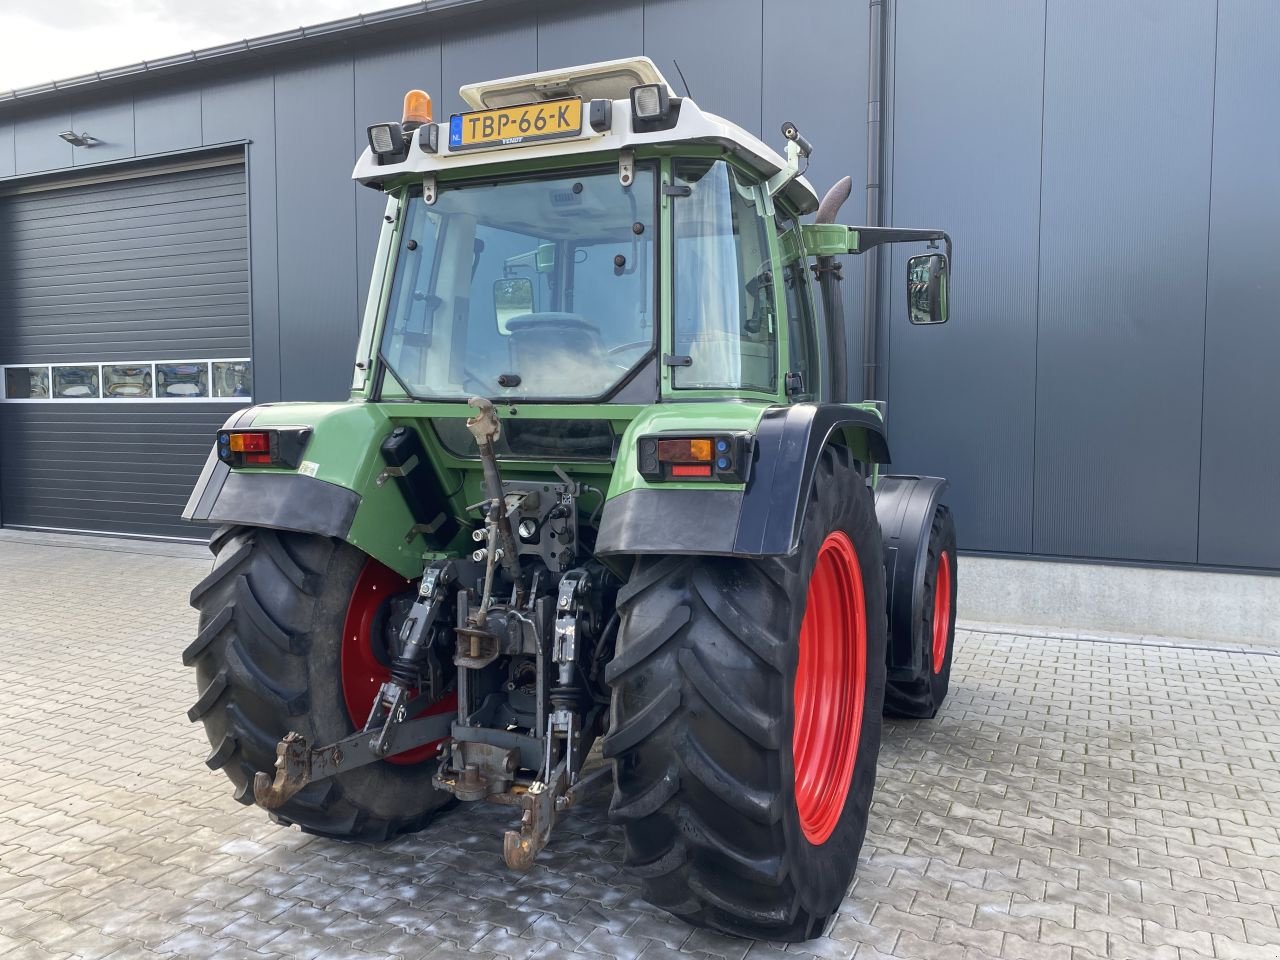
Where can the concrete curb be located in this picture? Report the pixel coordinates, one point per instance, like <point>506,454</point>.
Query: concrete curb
<point>1106,600</point>
<point>88,541</point>
<point>1123,639</point>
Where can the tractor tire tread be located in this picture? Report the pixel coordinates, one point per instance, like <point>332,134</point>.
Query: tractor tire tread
<point>698,679</point>
<point>257,606</point>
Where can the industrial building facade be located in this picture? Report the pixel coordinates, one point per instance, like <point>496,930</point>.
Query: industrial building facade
<point>1106,388</point>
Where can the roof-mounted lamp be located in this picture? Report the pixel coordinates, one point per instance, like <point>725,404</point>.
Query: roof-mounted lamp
<point>79,139</point>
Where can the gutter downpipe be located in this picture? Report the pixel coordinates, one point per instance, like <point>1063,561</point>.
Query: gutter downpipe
<point>875,150</point>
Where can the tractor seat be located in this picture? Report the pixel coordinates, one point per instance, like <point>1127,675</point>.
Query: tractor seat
<point>546,347</point>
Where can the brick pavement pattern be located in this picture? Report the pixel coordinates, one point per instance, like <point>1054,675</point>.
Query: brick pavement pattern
<point>1073,800</point>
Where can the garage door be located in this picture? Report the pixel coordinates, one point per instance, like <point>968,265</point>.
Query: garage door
<point>124,343</point>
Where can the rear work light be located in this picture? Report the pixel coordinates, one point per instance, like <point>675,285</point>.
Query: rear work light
<point>650,102</point>
<point>268,447</point>
<point>653,108</point>
<point>387,141</point>
<point>723,457</point>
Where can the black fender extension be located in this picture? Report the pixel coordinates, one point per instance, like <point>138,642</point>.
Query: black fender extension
<point>285,501</point>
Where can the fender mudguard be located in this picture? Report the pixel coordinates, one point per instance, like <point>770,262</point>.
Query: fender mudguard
<point>289,501</point>
<point>286,501</point>
<point>764,517</point>
<point>904,507</point>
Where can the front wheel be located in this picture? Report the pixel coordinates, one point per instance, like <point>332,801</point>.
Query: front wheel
<point>746,715</point>
<point>294,634</point>
<point>918,692</point>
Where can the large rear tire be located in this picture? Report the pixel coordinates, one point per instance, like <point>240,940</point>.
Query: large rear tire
<point>918,694</point>
<point>746,715</point>
<point>275,612</point>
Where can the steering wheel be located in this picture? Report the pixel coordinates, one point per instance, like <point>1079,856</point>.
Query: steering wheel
<point>469,378</point>
<point>612,352</point>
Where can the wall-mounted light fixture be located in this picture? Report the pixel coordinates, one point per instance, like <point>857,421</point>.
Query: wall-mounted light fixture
<point>79,139</point>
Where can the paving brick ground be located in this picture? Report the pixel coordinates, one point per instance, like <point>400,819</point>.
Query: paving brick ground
<point>1074,800</point>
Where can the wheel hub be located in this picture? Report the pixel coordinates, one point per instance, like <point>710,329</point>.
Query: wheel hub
<point>378,595</point>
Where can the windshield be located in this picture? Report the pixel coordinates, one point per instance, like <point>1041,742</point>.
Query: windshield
<point>533,288</point>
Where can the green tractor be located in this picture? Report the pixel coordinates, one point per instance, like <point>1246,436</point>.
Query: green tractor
<point>597,481</point>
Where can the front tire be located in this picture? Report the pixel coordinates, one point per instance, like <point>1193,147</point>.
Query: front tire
<point>918,693</point>
<point>746,715</point>
<point>269,658</point>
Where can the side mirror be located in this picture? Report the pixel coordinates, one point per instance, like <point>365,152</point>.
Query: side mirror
<point>512,297</point>
<point>927,289</point>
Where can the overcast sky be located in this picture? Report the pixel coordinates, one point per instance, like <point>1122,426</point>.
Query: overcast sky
<point>42,40</point>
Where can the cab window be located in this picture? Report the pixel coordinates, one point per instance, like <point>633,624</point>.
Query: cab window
<point>803,359</point>
<point>725,327</point>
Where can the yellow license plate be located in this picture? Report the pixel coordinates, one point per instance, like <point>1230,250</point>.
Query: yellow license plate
<point>513,126</point>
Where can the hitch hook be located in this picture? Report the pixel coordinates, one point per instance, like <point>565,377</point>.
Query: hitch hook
<point>293,772</point>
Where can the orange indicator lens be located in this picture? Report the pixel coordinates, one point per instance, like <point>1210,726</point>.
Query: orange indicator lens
<point>690,470</point>
<point>685,451</point>
<point>250,443</point>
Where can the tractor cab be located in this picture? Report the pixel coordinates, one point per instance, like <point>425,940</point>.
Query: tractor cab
<point>588,236</point>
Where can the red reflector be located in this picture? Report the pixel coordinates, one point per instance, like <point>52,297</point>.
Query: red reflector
<point>690,470</point>
<point>263,459</point>
<point>250,442</point>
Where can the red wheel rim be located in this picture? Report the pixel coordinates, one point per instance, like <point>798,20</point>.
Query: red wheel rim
<point>362,673</point>
<point>830,688</point>
<point>941,611</point>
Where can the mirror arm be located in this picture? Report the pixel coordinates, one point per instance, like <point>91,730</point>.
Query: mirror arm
<point>869,237</point>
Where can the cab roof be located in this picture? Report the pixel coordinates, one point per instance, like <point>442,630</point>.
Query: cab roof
<point>610,80</point>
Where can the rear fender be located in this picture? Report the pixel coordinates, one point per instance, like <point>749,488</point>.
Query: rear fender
<point>905,507</point>
<point>762,518</point>
<point>335,492</point>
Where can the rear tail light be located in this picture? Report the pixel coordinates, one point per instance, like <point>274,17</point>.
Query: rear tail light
<point>725,457</point>
<point>259,441</point>
<point>268,447</point>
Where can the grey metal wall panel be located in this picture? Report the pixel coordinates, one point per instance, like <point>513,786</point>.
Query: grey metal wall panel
<point>150,268</point>
<point>111,124</point>
<point>315,210</point>
<point>1128,119</point>
<point>103,468</point>
<point>502,46</point>
<point>36,144</point>
<point>245,110</point>
<point>7,163</point>
<point>582,34</point>
<point>834,119</point>
<point>961,396</point>
<point>166,121</point>
<point>720,47</point>
<point>381,80</point>
<point>1240,453</point>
